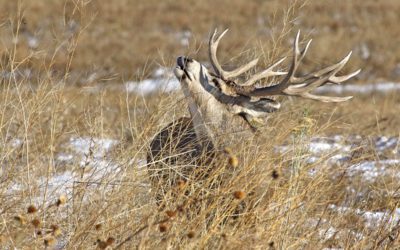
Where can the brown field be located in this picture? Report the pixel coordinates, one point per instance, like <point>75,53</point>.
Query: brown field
<point>72,140</point>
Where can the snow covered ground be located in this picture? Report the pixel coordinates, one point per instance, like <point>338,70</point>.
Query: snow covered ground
<point>371,219</point>
<point>379,87</point>
<point>91,154</point>
<point>337,150</point>
<point>163,80</point>
<point>94,162</point>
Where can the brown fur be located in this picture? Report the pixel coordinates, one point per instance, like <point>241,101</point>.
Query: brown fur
<point>173,154</point>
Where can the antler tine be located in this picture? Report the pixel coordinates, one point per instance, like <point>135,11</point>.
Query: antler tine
<point>284,84</point>
<point>326,98</point>
<point>298,55</point>
<point>306,87</point>
<point>323,71</point>
<point>294,65</point>
<point>322,77</point>
<point>340,79</point>
<point>301,86</point>
<point>297,58</point>
<point>213,46</point>
<point>264,74</point>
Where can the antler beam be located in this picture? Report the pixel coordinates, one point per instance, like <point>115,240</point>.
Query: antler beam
<point>213,46</point>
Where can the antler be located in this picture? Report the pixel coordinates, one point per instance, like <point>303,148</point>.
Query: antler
<point>213,46</point>
<point>291,85</point>
<point>301,86</point>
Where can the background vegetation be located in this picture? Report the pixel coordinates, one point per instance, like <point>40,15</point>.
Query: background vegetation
<point>72,140</point>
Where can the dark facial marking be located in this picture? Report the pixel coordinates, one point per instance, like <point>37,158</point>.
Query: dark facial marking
<point>216,83</point>
<point>187,74</point>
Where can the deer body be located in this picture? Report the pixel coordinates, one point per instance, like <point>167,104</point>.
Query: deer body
<point>219,105</point>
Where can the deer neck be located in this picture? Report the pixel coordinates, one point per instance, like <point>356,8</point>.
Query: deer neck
<point>210,117</point>
<point>205,118</point>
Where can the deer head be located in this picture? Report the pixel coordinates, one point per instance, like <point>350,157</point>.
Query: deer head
<point>217,96</point>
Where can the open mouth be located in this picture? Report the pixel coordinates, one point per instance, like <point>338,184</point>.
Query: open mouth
<point>181,64</point>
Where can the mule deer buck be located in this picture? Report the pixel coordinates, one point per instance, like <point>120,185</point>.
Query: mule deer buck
<point>220,102</point>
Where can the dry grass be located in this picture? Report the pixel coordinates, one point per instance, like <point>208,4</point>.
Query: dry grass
<point>130,38</point>
<point>106,200</point>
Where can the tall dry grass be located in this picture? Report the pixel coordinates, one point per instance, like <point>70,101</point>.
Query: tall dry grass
<point>106,200</point>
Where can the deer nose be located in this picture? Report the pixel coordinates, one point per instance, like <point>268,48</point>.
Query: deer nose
<point>182,61</point>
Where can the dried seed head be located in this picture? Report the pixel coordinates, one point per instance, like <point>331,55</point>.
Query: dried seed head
<point>101,244</point>
<point>233,161</point>
<point>55,230</point>
<point>309,121</point>
<point>191,235</point>
<point>20,219</point>
<point>110,241</point>
<point>239,195</point>
<point>61,200</point>
<point>49,241</point>
<point>180,208</point>
<point>275,174</point>
<point>170,213</point>
<point>181,184</point>
<point>2,239</point>
<point>31,209</point>
<point>163,227</point>
<point>98,226</point>
<point>228,150</point>
<point>35,222</point>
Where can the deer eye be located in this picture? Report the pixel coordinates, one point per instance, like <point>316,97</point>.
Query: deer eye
<point>216,83</point>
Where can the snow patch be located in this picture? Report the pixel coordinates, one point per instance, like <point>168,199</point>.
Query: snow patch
<point>321,147</point>
<point>91,155</point>
<point>383,143</point>
<point>150,86</point>
<point>97,146</point>
<point>163,80</point>
<point>318,146</point>
<point>15,143</point>
<point>62,157</point>
<point>57,185</point>
<point>183,37</point>
<point>338,151</point>
<point>370,170</point>
<point>371,219</point>
<point>327,234</point>
<point>381,87</point>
